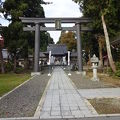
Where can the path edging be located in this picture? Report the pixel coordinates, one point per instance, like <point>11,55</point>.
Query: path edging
<point>37,112</point>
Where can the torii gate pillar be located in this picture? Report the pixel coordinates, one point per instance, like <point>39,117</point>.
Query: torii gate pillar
<point>79,48</point>
<point>37,50</point>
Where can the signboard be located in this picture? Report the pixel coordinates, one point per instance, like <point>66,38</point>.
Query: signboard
<point>58,24</point>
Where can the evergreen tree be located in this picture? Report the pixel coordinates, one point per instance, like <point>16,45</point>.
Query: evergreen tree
<point>106,19</point>
<point>17,41</point>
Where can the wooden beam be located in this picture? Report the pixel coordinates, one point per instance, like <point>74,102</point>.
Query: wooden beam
<point>53,29</point>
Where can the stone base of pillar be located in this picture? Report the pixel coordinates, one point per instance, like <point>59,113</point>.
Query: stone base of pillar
<point>83,73</point>
<point>69,74</point>
<point>64,68</point>
<point>49,74</point>
<point>95,79</point>
<point>35,73</point>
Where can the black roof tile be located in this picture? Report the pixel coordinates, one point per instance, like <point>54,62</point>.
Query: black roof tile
<point>57,49</point>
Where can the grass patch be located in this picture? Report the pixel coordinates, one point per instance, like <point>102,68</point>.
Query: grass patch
<point>10,81</point>
<point>106,105</point>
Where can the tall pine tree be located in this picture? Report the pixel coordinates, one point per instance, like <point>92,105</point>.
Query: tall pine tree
<point>17,41</point>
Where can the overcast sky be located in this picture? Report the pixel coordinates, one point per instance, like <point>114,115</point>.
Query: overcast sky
<point>61,8</point>
<point>58,8</point>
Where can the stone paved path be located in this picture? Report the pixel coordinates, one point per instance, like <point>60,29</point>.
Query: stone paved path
<point>62,99</point>
<point>99,93</point>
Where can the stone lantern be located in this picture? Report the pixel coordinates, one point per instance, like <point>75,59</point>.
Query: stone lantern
<point>94,61</point>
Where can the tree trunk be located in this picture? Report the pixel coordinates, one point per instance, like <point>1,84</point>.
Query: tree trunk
<point>26,63</point>
<point>100,53</point>
<point>89,59</point>
<point>112,65</point>
<point>1,61</point>
<point>15,63</point>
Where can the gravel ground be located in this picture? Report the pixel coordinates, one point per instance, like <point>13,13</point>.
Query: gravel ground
<point>84,83</point>
<point>23,101</point>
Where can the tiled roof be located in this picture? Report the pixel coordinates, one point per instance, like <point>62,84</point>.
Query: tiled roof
<point>116,41</point>
<point>42,55</point>
<point>57,49</point>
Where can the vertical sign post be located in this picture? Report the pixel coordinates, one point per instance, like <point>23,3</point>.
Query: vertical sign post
<point>49,74</point>
<point>69,62</point>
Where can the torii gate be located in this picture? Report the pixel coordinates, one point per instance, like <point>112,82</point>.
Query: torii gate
<point>37,28</point>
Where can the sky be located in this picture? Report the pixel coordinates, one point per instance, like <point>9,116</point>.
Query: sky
<point>58,8</point>
<point>61,8</point>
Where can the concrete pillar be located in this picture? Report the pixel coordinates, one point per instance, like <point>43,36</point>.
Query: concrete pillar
<point>79,48</point>
<point>37,47</point>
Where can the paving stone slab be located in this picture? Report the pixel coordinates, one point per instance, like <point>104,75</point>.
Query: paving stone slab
<point>99,93</point>
<point>67,118</point>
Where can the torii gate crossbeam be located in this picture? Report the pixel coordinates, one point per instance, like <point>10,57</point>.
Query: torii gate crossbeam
<point>52,20</point>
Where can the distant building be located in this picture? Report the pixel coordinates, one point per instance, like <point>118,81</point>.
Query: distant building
<point>57,49</point>
<point>59,56</point>
<point>115,44</point>
<point>6,55</point>
<point>58,53</point>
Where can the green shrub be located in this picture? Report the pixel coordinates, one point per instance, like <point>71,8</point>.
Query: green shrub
<point>110,72</point>
<point>8,67</point>
<point>117,65</point>
<point>19,70</point>
<point>117,73</point>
